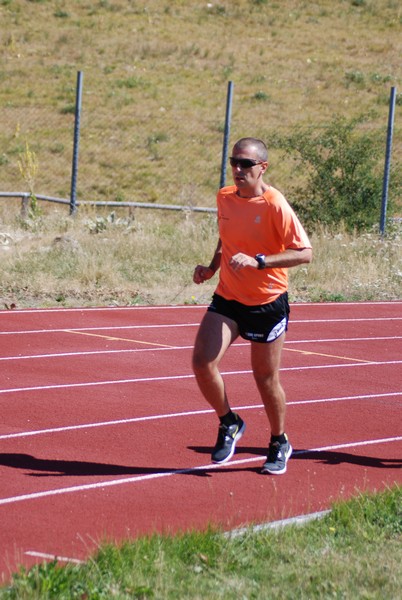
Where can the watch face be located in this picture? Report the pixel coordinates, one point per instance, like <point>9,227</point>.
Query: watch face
<point>260,258</point>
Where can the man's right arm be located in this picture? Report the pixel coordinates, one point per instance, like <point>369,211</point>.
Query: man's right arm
<point>203,273</point>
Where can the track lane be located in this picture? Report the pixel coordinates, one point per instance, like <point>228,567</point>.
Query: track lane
<point>343,443</point>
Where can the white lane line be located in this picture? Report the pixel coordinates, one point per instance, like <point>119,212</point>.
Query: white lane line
<point>191,413</point>
<point>8,436</point>
<point>46,556</point>
<point>96,352</point>
<point>160,475</point>
<point>348,320</point>
<point>116,309</point>
<point>191,376</point>
<point>170,348</point>
<point>108,328</point>
<point>299,520</point>
<point>177,325</point>
<point>352,339</point>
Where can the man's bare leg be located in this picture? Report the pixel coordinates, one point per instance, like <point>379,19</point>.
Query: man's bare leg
<point>265,360</point>
<point>214,337</point>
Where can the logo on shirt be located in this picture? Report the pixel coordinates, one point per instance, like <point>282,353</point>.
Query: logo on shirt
<point>257,219</point>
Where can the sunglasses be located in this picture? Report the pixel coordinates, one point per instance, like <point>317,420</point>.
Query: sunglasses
<point>243,163</point>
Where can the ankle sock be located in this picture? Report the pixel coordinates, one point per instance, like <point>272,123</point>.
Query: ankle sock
<point>229,419</point>
<point>282,439</point>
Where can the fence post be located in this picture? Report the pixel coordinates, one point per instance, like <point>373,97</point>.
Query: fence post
<point>24,206</point>
<point>226,134</point>
<point>388,150</point>
<point>74,170</point>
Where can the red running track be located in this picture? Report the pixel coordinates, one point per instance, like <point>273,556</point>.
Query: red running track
<point>104,435</point>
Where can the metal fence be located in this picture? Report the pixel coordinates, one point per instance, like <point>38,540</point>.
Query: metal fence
<point>157,156</point>
<point>124,154</point>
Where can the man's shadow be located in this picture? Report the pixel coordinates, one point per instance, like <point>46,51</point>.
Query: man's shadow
<point>44,467</point>
<point>326,457</point>
<point>41,467</point>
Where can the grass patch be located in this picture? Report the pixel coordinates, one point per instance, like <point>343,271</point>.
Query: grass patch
<point>152,68</point>
<point>98,258</point>
<point>354,552</point>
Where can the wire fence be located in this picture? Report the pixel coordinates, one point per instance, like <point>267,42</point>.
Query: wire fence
<point>154,156</point>
<point>124,155</point>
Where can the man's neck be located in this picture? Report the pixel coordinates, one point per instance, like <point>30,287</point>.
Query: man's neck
<point>253,192</point>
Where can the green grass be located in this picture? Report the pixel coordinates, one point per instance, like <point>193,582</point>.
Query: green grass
<point>353,552</point>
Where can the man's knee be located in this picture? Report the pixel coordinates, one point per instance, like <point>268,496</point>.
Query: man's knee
<point>197,362</point>
<point>200,362</point>
<point>266,379</point>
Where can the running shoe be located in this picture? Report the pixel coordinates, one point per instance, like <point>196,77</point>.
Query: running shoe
<point>278,456</point>
<point>228,436</point>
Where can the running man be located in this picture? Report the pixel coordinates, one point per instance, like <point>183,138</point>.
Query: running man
<point>260,237</point>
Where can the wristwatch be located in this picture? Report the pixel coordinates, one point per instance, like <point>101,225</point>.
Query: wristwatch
<point>260,258</point>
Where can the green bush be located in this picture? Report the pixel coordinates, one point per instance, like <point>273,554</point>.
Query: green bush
<point>341,174</point>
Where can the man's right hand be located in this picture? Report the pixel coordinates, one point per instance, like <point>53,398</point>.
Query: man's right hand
<point>202,273</point>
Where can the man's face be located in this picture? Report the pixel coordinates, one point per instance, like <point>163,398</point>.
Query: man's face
<point>248,171</point>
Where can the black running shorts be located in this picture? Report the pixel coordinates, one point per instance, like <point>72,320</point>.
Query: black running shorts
<point>263,323</point>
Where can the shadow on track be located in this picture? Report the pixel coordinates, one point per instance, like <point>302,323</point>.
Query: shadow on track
<point>41,467</point>
<point>327,457</point>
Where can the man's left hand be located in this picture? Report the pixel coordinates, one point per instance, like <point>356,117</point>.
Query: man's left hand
<point>240,260</point>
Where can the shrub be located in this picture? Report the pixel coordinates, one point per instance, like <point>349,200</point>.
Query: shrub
<point>342,174</point>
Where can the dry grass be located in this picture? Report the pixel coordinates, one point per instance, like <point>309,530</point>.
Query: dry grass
<point>148,257</point>
<point>351,267</point>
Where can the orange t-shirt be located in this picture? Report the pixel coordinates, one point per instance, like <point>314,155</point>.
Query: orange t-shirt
<point>265,224</point>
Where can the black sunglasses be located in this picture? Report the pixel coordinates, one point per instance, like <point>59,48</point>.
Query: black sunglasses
<point>243,163</point>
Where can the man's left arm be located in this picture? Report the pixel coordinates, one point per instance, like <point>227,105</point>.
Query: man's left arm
<point>291,257</point>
